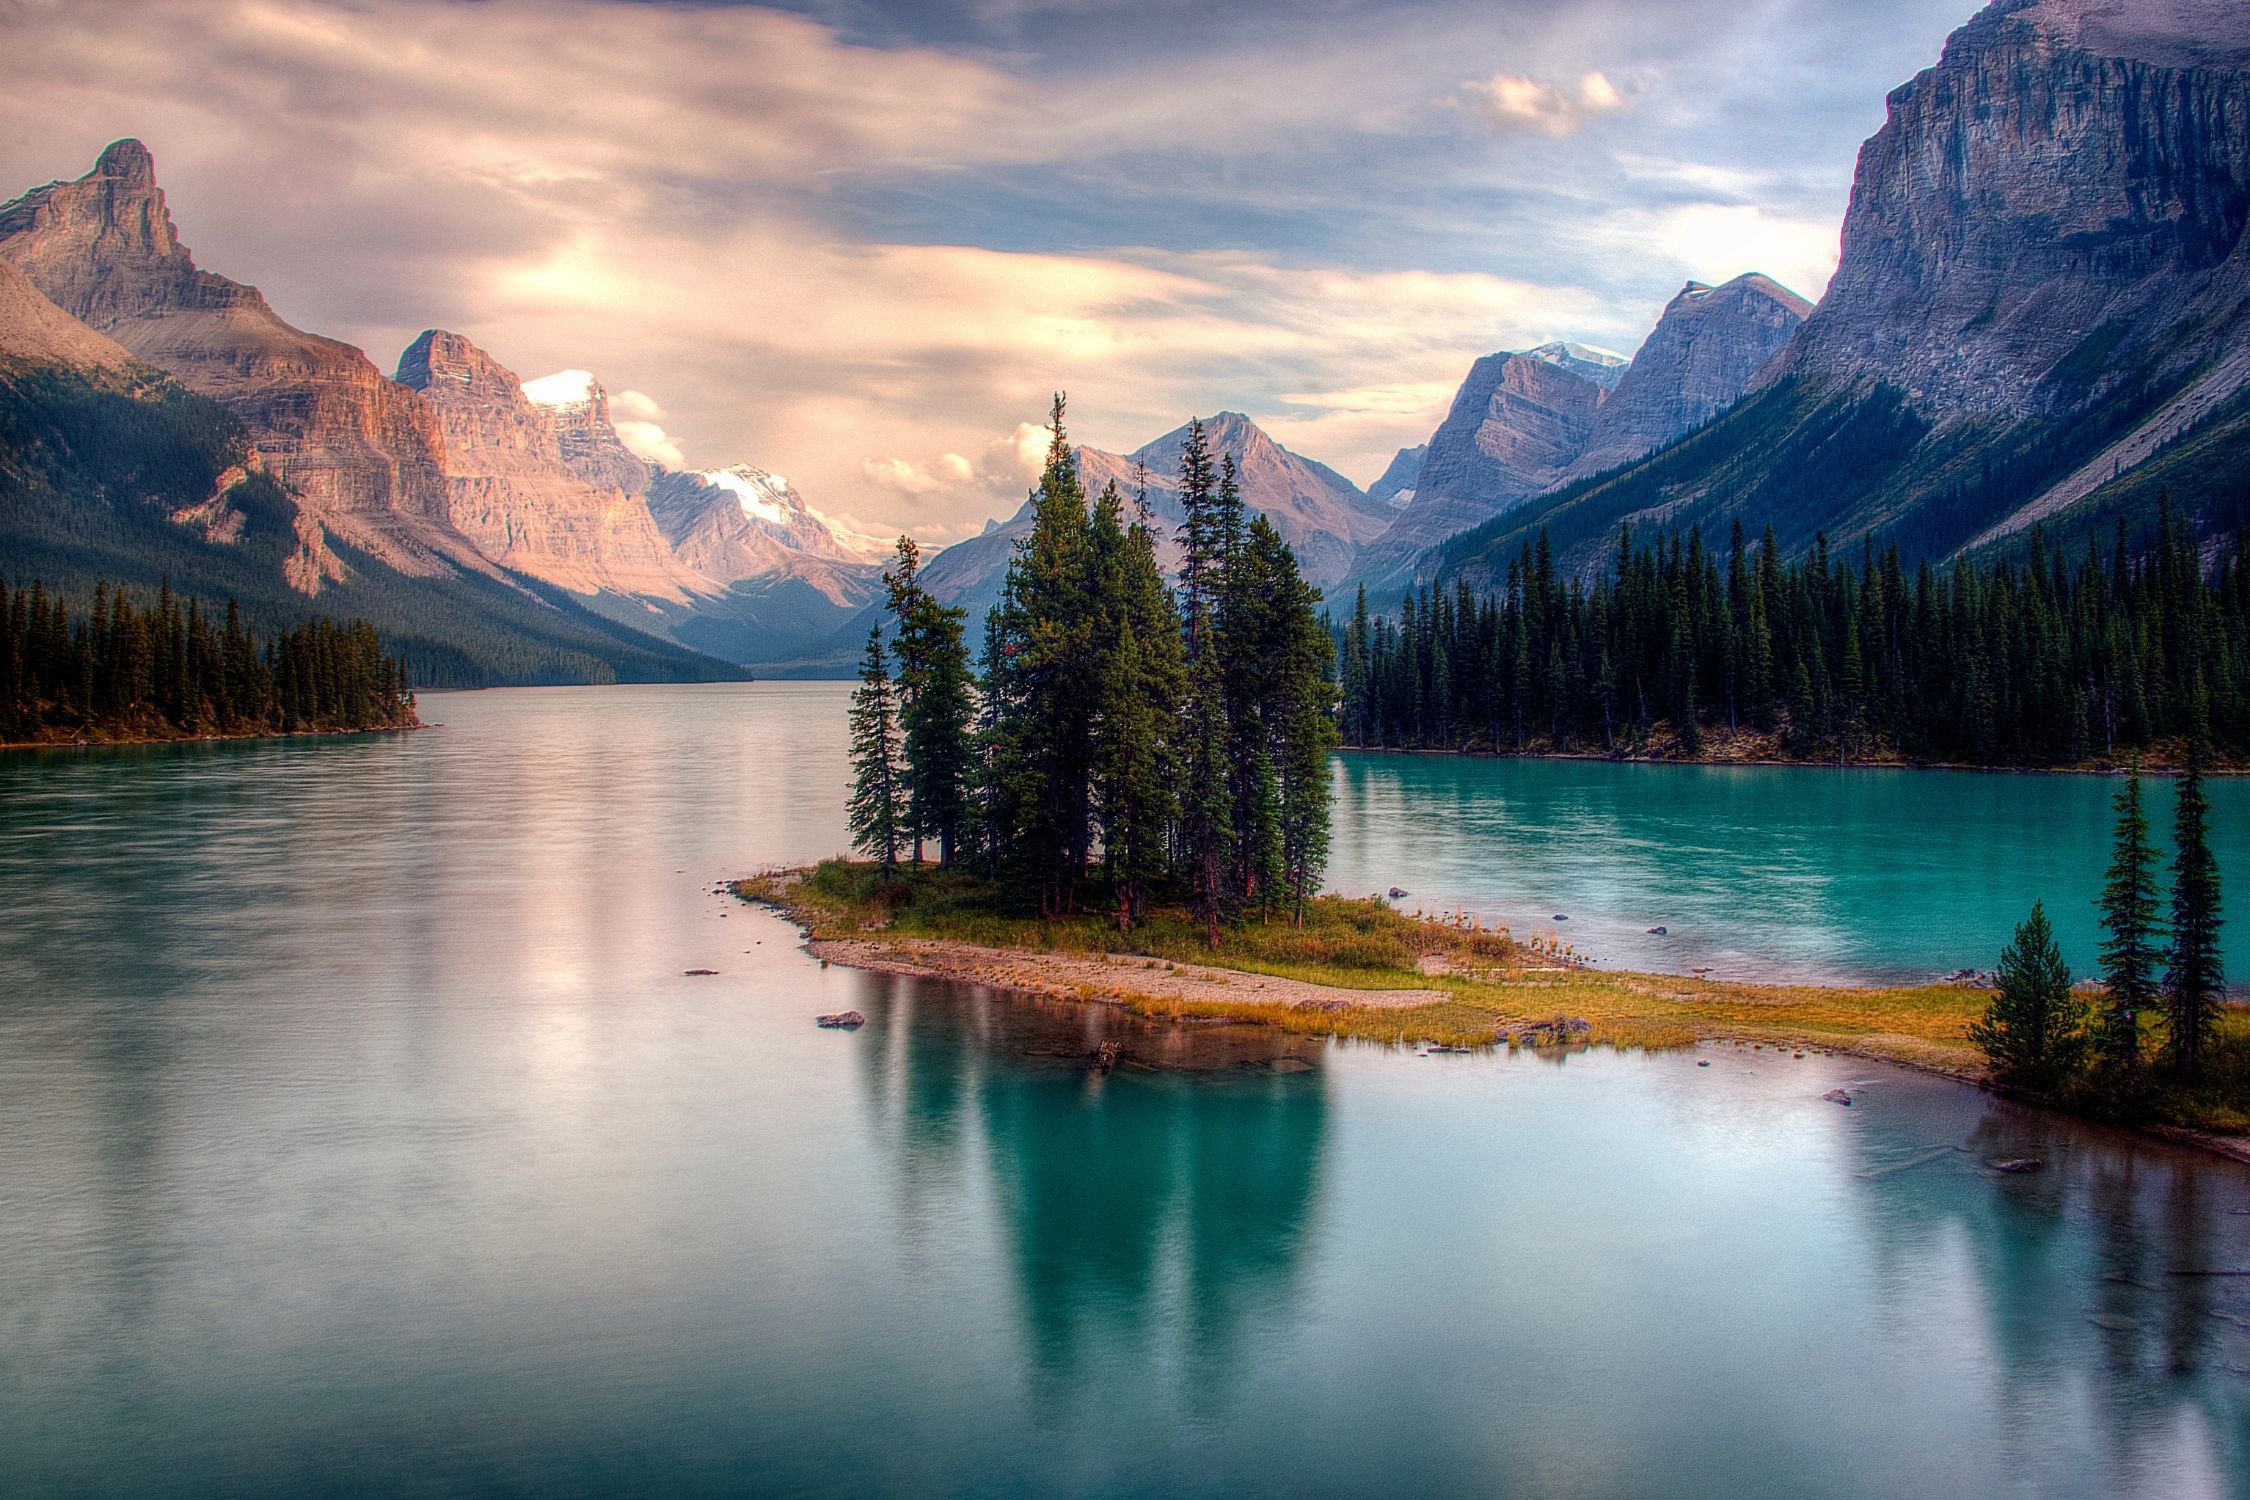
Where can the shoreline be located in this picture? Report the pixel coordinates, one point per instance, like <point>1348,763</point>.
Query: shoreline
<point>208,739</point>
<point>1595,757</point>
<point>1191,993</point>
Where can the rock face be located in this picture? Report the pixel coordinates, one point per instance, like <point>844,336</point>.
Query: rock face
<point>2042,311</point>
<point>1396,487</point>
<point>363,455</point>
<point>545,490</point>
<point>1703,355</point>
<point>2067,164</point>
<point>742,524</point>
<point>36,332</point>
<point>578,408</point>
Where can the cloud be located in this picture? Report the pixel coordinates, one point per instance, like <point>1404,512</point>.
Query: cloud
<point>867,258</point>
<point>1006,469</point>
<point>1510,102</point>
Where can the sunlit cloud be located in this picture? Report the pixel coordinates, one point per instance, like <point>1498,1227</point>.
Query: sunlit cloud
<point>1508,101</point>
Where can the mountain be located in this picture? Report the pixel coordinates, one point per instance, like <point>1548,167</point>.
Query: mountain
<point>1320,513</point>
<point>1517,424</point>
<point>159,422</point>
<point>790,576</point>
<point>1705,351</point>
<point>363,456</point>
<point>33,331</point>
<point>1396,487</point>
<point>543,489</point>
<point>2041,314</point>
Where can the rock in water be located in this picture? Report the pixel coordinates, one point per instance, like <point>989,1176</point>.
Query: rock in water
<point>1837,1096</point>
<point>1103,1058</point>
<point>691,973</point>
<point>2018,1164</point>
<point>841,1020</point>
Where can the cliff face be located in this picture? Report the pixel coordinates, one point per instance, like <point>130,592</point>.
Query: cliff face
<point>36,332</point>
<point>537,487</point>
<point>2071,168</point>
<point>1704,353</point>
<point>741,524</point>
<point>363,455</point>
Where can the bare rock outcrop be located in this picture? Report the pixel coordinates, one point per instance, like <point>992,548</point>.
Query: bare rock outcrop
<point>363,455</point>
<point>560,511</point>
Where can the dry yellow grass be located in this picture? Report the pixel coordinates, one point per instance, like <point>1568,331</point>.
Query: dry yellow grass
<point>1493,986</point>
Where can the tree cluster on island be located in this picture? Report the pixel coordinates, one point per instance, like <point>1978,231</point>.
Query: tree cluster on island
<point>121,672</point>
<point>1174,740</point>
<point>2160,961</point>
<point>2033,664</point>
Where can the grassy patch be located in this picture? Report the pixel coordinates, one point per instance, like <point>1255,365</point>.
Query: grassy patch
<point>1493,985</point>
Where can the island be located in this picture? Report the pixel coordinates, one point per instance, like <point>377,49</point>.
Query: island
<point>1359,968</point>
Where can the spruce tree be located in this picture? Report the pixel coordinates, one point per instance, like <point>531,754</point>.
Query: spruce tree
<point>2033,1032</point>
<point>936,706</point>
<point>2130,951</point>
<point>877,811</point>
<point>2193,982</point>
<point>1141,678</point>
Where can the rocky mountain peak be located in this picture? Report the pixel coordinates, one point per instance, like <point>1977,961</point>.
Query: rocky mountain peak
<point>442,358</point>
<point>1704,353</point>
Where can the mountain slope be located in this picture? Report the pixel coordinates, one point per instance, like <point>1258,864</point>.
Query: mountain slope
<point>571,516</point>
<point>1321,514</point>
<point>2045,285</point>
<point>362,455</point>
<point>134,479</point>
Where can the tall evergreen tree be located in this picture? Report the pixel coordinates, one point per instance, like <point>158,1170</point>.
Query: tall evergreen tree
<point>937,706</point>
<point>1141,680</point>
<point>2033,1033</point>
<point>2193,982</point>
<point>2130,946</point>
<point>877,811</point>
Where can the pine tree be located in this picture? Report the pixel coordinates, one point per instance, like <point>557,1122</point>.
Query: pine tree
<point>936,706</point>
<point>2193,982</point>
<point>1142,678</point>
<point>2129,949</point>
<point>877,811</point>
<point>2033,1032</point>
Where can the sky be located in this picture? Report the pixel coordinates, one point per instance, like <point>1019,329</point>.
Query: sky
<point>860,242</point>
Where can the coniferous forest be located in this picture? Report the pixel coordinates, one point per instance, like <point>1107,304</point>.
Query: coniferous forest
<point>1122,741</point>
<point>1682,649</point>
<point>119,671</point>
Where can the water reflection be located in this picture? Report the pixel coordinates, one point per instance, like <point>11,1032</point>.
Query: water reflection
<point>2078,1266</point>
<point>1157,1215</point>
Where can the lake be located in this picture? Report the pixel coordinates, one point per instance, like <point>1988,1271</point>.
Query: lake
<point>361,1133</point>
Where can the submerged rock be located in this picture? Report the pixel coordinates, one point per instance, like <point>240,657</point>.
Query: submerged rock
<point>2018,1164</point>
<point>1660,932</point>
<point>1560,1031</point>
<point>1837,1096</point>
<point>1103,1058</point>
<point>692,973</point>
<point>1397,892</point>
<point>843,1019</point>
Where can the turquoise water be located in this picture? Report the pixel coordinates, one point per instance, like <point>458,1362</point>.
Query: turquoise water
<point>1756,871</point>
<point>361,1134</point>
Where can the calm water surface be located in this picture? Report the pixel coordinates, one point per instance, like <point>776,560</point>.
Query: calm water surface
<point>360,1134</point>
<point>1861,876</point>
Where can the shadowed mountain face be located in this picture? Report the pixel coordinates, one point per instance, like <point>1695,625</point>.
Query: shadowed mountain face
<point>2042,311</point>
